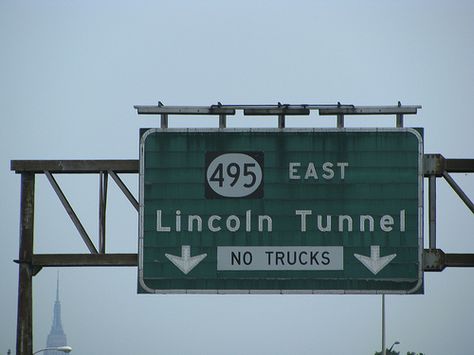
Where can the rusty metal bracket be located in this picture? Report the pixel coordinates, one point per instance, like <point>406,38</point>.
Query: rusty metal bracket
<point>438,260</point>
<point>434,164</point>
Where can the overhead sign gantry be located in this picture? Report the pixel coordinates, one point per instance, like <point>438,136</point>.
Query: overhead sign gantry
<point>30,263</point>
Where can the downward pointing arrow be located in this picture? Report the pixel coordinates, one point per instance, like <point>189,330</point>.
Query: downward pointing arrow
<point>375,263</point>
<point>185,262</point>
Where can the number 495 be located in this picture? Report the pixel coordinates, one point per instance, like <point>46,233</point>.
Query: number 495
<point>234,174</point>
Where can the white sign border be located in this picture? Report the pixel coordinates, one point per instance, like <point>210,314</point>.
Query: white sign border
<point>273,130</point>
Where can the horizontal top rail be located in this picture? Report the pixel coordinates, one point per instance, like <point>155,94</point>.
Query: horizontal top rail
<point>277,109</point>
<point>370,110</point>
<point>460,165</point>
<point>75,166</point>
<point>184,110</point>
<point>434,164</point>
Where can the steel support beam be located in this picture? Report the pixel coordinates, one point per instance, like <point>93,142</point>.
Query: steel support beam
<point>436,164</point>
<point>75,166</point>
<point>290,109</point>
<point>24,345</point>
<point>399,123</point>
<point>222,121</point>
<point>164,121</point>
<point>280,110</point>
<point>432,211</point>
<point>276,111</point>
<point>60,260</point>
<point>434,260</point>
<point>433,164</point>
<point>438,260</point>
<point>183,110</point>
<point>370,110</point>
<point>460,165</point>
<point>281,121</point>
<point>340,120</point>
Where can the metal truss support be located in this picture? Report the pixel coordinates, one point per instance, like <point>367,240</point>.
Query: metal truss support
<point>29,262</point>
<point>435,166</point>
<point>103,168</point>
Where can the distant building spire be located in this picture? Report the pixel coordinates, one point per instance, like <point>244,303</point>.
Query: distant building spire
<point>57,288</point>
<point>56,336</point>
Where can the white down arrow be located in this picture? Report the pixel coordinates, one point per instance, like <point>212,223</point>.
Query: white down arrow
<point>185,262</point>
<point>375,262</point>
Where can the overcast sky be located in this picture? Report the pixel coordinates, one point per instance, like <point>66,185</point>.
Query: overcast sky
<point>70,73</point>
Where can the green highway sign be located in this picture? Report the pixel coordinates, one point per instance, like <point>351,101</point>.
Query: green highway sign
<point>281,211</point>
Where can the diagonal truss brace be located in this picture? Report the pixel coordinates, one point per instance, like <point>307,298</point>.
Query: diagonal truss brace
<point>467,201</point>
<point>80,228</point>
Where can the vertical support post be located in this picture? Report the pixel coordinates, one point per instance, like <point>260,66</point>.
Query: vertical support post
<point>383,325</point>
<point>222,121</point>
<point>103,177</point>
<point>24,335</point>
<point>340,120</point>
<point>399,120</point>
<point>281,121</point>
<point>164,120</point>
<point>432,210</point>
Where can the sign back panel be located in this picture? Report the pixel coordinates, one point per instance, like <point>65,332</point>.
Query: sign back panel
<point>281,211</point>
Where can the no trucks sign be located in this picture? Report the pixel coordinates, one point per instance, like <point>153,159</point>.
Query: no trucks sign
<point>281,211</point>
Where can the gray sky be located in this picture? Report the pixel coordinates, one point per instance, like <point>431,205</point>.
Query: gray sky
<point>71,72</point>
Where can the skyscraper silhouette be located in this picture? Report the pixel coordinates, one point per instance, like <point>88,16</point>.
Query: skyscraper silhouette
<point>56,336</point>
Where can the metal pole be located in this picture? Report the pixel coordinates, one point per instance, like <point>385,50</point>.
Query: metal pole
<point>164,120</point>
<point>432,211</point>
<point>222,121</point>
<point>399,120</point>
<point>281,121</point>
<point>340,121</point>
<point>383,325</point>
<point>103,179</point>
<point>24,335</point>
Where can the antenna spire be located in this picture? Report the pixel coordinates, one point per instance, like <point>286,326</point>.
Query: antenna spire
<point>57,287</point>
